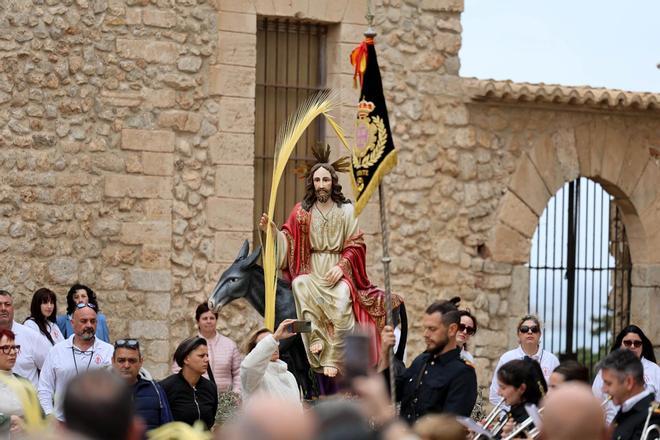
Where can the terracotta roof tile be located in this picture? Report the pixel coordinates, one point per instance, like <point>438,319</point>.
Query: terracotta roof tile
<point>489,89</point>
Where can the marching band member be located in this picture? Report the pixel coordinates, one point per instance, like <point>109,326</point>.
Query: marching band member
<point>529,336</point>
<point>520,382</point>
<point>622,376</point>
<point>632,338</point>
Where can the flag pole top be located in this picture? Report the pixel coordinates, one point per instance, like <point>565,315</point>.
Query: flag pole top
<point>370,32</point>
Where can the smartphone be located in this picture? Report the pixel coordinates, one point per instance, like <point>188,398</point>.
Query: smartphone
<point>356,355</point>
<point>300,327</point>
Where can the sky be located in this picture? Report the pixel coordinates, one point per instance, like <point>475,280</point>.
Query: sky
<point>601,43</point>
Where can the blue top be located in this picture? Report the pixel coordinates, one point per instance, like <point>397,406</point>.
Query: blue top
<point>102,332</point>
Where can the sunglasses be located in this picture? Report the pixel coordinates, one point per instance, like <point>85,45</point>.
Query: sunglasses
<point>133,344</point>
<point>467,329</point>
<point>83,305</point>
<point>6,349</point>
<point>527,329</point>
<point>628,343</point>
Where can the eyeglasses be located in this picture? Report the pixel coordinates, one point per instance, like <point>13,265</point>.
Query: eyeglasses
<point>526,329</point>
<point>133,344</point>
<point>466,328</point>
<point>6,349</point>
<point>630,343</point>
<point>83,305</point>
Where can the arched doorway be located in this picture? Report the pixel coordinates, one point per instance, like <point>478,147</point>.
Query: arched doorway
<point>580,271</point>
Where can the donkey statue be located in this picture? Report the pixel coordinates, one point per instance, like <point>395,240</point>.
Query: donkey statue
<point>245,279</point>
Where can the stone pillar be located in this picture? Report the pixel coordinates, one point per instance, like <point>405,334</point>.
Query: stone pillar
<point>645,301</point>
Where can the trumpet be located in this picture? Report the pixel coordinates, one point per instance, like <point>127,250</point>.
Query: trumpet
<point>648,429</point>
<point>501,421</point>
<point>522,427</point>
<point>605,402</point>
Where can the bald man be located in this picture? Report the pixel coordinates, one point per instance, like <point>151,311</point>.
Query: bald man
<point>571,412</point>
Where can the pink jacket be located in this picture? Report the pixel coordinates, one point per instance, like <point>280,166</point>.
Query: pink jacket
<point>225,360</point>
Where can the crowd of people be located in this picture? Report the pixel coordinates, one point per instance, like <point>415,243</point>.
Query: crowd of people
<point>92,388</point>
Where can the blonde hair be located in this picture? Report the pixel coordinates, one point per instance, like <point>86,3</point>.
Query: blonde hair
<point>534,318</point>
<point>439,427</point>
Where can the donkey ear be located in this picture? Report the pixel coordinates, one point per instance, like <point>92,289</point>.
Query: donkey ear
<point>252,259</point>
<point>244,250</point>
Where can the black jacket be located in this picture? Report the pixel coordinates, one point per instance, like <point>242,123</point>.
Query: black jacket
<point>437,384</point>
<point>628,425</point>
<point>190,404</point>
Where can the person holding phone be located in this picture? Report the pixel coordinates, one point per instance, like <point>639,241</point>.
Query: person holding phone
<point>262,371</point>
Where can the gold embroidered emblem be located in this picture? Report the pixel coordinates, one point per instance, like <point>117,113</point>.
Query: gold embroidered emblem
<point>370,141</point>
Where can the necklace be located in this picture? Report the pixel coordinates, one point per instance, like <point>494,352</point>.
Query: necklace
<point>84,353</point>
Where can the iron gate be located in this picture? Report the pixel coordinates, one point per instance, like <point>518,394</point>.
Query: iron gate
<point>580,272</point>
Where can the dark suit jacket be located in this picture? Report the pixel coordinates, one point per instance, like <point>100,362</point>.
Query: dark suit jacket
<point>628,425</point>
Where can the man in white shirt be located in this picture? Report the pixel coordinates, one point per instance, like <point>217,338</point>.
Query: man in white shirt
<point>529,336</point>
<point>33,351</point>
<point>77,354</point>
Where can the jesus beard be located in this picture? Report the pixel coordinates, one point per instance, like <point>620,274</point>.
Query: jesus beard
<point>322,195</point>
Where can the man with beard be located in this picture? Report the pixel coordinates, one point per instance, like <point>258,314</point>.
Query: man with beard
<point>322,252</point>
<point>79,353</point>
<point>439,380</point>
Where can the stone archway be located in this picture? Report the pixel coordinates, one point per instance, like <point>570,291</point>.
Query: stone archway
<point>613,150</point>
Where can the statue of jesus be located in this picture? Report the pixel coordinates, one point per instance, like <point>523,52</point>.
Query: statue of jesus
<point>322,252</point>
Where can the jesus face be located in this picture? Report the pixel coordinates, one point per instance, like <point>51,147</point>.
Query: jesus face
<point>322,184</point>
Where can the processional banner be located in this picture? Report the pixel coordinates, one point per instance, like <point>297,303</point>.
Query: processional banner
<point>374,154</point>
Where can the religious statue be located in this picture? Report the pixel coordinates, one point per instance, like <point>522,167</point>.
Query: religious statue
<point>321,250</point>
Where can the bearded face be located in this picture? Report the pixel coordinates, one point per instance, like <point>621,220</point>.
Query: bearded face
<point>322,184</point>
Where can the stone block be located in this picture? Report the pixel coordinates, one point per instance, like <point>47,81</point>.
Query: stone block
<point>180,120</point>
<point>354,12</point>
<point>162,52</point>
<point>442,5</point>
<point>634,161</point>
<point>236,5</point>
<point>156,256</point>
<point>140,187</point>
<point>159,98</point>
<point>147,140</point>
<point>583,148</point>
<point>105,227</point>
<point>229,80</point>
<point>158,210</point>
<point>157,18</point>
<point>646,190</point>
<point>645,309</point>
<point>111,279</point>
<point>237,22</point>
<point>133,16</point>
<point>646,275</point>
<point>141,232</point>
<point>234,181</point>
<point>598,128</point>
<point>613,150</point>
<point>157,305</point>
<point>291,8</point>
<point>508,245</point>
<point>158,164</point>
<point>63,270</point>
<point>230,214</point>
<point>227,245</point>
<point>542,154</point>
<point>528,185</point>
<point>150,280</point>
<point>232,148</point>
<point>123,98</point>
<point>563,142</point>
<point>514,213</point>
<point>149,329</point>
<point>236,115</point>
<point>237,48</point>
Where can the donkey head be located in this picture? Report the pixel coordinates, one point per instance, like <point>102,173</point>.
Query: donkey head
<point>235,282</point>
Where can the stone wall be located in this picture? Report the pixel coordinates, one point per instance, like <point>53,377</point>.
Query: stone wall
<point>126,149</point>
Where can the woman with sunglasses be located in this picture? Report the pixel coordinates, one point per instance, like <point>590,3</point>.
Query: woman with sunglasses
<point>79,293</point>
<point>632,338</point>
<point>529,338</point>
<point>43,310</point>
<point>466,329</point>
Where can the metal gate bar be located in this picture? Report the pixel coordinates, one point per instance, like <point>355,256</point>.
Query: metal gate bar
<point>580,272</point>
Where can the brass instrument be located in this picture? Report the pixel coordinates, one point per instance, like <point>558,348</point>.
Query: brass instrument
<point>501,421</point>
<point>522,427</point>
<point>647,430</point>
<point>604,402</point>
